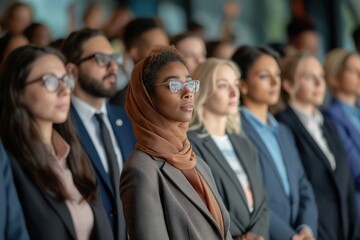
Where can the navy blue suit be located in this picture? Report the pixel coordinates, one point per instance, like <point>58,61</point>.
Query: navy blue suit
<point>286,215</point>
<point>122,128</point>
<point>12,223</point>
<point>350,137</point>
<point>333,189</point>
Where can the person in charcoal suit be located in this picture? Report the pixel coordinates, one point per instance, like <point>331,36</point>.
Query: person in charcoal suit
<point>53,178</point>
<point>104,130</point>
<point>320,148</point>
<point>290,198</point>
<point>215,136</point>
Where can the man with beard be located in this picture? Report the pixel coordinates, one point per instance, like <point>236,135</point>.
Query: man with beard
<point>103,129</point>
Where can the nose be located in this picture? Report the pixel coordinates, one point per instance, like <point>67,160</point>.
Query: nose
<point>64,89</point>
<point>187,94</point>
<point>275,80</point>
<point>113,66</point>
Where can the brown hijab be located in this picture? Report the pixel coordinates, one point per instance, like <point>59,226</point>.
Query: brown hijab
<point>159,137</point>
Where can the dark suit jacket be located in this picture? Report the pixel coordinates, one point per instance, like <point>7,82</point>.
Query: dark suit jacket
<point>286,215</point>
<point>12,224</point>
<point>350,137</point>
<point>333,189</point>
<point>48,217</point>
<point>160,203</point>
<point>110,196</point>
<point>230,189</point>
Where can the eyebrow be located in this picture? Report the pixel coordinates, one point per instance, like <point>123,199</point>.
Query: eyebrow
<point>176,77</point>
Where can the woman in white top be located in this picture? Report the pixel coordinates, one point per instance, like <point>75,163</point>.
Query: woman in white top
<point>215,136</point>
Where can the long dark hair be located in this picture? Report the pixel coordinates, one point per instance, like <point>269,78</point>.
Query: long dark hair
<point>21,137</point>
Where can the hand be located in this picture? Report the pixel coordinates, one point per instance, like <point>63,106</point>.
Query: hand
<point>306,234</point>
<point>249,236</point>
<point>297,237</point>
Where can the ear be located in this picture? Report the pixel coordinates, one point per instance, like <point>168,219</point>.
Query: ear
<point>287,86</point>
<point>243,87</point>
<point>72,69</point>
<point>134,53</point>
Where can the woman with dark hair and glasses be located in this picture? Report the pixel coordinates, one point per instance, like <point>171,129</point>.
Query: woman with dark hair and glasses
<point>166,190</point>
<point>55,184</point>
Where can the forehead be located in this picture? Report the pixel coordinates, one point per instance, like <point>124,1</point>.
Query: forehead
<point>176,69</point>
<point>353,60</point>
<point>265,61</point>
<point>191,43</point>
<point>154,37</point>
<point>97,44</point>
<point>48,63</point>
<point>226,72</point>
<point>309,64</point>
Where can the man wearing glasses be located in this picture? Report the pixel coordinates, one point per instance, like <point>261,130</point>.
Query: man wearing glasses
<point>103,129</point>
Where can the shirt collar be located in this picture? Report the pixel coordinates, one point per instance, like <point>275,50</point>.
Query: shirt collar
<point>61,148</point>
<point>85,110</point>
<point>316,117</point>
<point>354,110</point>
<point>271,124</point>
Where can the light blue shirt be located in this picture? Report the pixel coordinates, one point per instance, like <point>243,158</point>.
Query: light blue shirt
<point>87,116</point>
<point>353,113</point>
<point>267,132</point>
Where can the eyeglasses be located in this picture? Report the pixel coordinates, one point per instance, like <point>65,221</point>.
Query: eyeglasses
<point>52,82</point>
<point>176,86</point>
<point>103,60</point>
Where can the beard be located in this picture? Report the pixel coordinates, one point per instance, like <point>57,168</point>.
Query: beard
<point>95,87</point>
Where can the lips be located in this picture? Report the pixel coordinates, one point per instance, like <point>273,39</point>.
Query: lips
<point>110,77</point>
<point>187,107</point>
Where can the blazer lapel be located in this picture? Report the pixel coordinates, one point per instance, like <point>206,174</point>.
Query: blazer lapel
<point>252,134</point>
<point>223,164</point>
<point>61,209</point>
<point>179,180</point>
<point>297,126</point>
<point>90,149</point>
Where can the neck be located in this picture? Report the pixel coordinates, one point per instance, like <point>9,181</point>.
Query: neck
<point>45,132</point>
<point>95,102</point>
<point>348,98</point>
<point>215,124</point>
<point>259,110</point>
<point>306,108</point>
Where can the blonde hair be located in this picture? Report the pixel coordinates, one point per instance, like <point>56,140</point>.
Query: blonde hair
<point>206,73</point>
<point>334,65</point>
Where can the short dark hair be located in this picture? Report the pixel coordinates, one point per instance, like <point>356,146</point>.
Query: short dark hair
<point>158,58</point>
<point>135,28</point>
<point>296,26</point>
<point>174,40</point>
<point>30,30</point>
<point>72,47</point>
<point>245,57</point>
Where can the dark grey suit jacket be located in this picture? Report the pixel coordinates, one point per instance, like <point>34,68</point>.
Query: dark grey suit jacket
<point>230,189</point>
<point>160,203</point>
<point>48,217</point>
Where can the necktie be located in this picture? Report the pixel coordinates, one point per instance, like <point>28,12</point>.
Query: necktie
<point>113,166</point>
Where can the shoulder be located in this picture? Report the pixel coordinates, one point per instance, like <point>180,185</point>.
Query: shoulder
<point>196,136</point>
<point>143,162</point>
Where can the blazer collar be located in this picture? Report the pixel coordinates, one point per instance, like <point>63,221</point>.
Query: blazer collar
<point>179,180</point>
<point>61,209</point>
<point>90,149</point>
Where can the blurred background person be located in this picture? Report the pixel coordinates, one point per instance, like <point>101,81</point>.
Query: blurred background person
<point>15,17</point>
<point>10,42</point>
<point>220,49</point>
<point>342,73</point>
<point>38,34</point>
<point>320,148</point>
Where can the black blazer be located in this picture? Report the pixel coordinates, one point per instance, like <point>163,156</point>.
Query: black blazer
<point>334,190</point>
<point>230,189</point>
<point>47,217</point>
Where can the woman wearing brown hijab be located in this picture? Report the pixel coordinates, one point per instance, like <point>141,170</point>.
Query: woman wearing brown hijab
<point>167,192</point>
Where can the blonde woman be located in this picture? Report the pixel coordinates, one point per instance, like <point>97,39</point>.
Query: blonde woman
<point>215,136</point>
<point>322,154</point>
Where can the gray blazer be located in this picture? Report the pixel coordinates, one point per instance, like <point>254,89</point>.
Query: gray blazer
<point>242,221</point>
<point>160,203</point>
